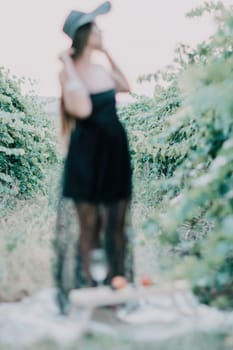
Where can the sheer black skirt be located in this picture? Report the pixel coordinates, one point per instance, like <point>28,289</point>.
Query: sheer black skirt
<point>83,226</point>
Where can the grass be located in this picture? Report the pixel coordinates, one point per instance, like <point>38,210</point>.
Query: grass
<point>25,244</point>
<point>198,341</point>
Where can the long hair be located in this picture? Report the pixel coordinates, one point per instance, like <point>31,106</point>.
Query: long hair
<point>78,44</point>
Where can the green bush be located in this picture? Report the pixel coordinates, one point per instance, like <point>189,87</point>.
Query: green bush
<point>27,140</point>
<point>185,137</point>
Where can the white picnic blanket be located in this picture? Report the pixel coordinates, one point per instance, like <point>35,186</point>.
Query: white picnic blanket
<point>36,318</point>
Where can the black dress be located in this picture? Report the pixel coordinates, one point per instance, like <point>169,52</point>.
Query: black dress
<point>94,207</point>
<point>98,166</point>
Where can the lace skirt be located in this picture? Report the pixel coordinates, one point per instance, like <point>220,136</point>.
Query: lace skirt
<point>81,227</point>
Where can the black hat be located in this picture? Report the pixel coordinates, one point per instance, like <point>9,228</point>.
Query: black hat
<point>76,19</point>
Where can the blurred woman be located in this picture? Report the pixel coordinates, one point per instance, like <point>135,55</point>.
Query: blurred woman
<point>97,175</point>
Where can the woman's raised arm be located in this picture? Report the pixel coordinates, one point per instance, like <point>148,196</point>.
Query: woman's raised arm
<point>76,96</point>
<point>121,83</point>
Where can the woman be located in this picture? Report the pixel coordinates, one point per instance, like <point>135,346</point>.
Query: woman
<point>97,177</point>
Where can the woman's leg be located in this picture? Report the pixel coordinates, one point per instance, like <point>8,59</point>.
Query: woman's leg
<point>115,237</point>
<point>90,224</point>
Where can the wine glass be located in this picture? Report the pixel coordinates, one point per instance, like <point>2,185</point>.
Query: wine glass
<point>98,265</point>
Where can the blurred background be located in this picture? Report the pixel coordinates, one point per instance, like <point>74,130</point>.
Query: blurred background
<point>180,130</point>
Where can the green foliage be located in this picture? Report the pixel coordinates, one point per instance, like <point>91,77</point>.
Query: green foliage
<point>209,6</point>
<point>27,140</point>
<point>147,121</point>
<point>185,141</point>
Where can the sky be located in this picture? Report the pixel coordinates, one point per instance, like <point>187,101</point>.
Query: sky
<point>139,34</point>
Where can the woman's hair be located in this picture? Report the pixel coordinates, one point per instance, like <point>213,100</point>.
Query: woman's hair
<point>79,43</point>
<point>81,38</point>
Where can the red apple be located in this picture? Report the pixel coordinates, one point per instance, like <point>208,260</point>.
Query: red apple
<point>146,281</point>
<point>119,282</point>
